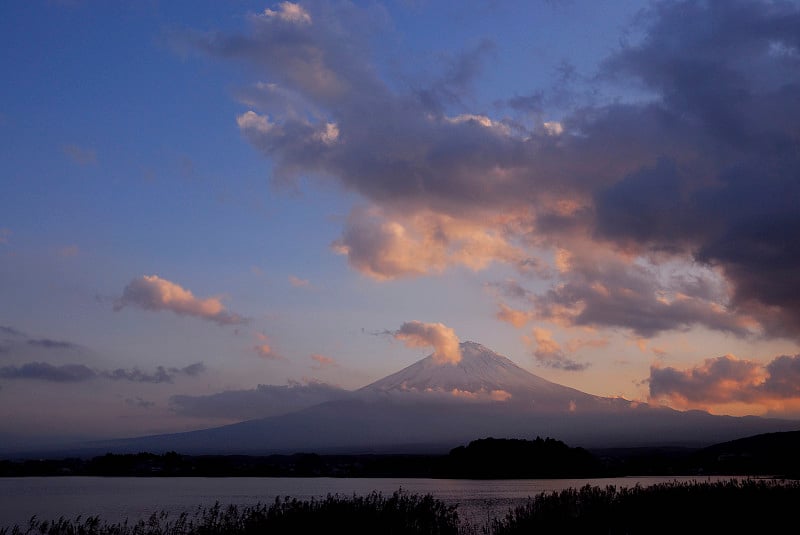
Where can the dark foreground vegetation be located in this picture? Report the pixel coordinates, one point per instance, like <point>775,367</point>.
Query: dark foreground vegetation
<point>734,506</point>
<point>401,513</point>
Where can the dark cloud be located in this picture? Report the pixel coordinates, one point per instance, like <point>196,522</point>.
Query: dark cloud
<point>700,166</point>
<point>260,402</point>
<point>51,344</point>
<point>73,373</point>
<point>160,375</point>
<point>616,295</point>
<point>139,403</point>
<point>10,331</point>
<point>65,373</point>
<point>726,74</point>
<point>17,339</point>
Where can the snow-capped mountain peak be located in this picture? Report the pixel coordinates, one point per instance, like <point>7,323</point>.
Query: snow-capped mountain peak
<point>481,374</point>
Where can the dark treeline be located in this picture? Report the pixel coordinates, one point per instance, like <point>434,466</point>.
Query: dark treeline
<point>489,458</point>
<point>484,458</point>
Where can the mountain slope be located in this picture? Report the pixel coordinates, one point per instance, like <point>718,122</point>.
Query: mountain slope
<point>430,407</point>
<point>481,374</point>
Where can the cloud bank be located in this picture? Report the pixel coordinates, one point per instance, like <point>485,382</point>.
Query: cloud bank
<point>727,379</point>
<point>672,210</point>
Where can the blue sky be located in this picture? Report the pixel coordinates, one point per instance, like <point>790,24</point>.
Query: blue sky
<point>603,192</point>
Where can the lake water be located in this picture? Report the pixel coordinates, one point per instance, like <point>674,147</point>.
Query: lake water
<point>116,498</point>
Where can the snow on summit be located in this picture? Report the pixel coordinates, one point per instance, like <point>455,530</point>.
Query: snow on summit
<point>483,375</point>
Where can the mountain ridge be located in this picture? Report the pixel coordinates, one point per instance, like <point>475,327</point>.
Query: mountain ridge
<point>428,408</point>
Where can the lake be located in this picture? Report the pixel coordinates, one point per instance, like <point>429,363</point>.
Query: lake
<point>116,498</point>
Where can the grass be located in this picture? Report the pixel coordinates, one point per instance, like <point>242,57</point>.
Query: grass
<point>400,514</point>
<point>734,506</point>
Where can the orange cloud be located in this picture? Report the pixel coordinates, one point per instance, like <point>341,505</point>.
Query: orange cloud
<point>323,361</point>
<point>298,282</point>
<point>548,351</point>
<point>482,394</point>
<point>151,292</point>
<point>517,318</point>
<point>264,348</point>
<point>387,247</point>
<point>443,339</point>
<point>729,380</point>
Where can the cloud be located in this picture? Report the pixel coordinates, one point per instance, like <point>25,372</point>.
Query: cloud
<point>5,235</point>
<point>161,374</point>
<point>385,246</point>
<point>481,395</point>
<point>727,379</point>
<point>323,361</point>
<point>151,292</point>
<point>139,403</point>
<point>264,348</point>
<point>548,352</point>
<point>80,155</point>
<point>603,291</point>
<point>46,343</point>
<point>698,170</point>
<point>517,318</point>
<point>74,373</point>
<point>65,373</point>
<point>298,282</point>
<point>443,339</point>
<point>10,331</point>
<point>260,402</point>
<point>289,12</point>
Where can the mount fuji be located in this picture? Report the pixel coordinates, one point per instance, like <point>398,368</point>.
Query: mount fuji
<point>430,407</point>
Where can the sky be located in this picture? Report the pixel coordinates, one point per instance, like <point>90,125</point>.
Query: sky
<point>212,209</point>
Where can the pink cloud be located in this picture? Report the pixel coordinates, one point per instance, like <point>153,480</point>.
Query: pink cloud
<point>289,12</point>
<point>323,361</point>
<point>482,394</point>
<point>729,380</point>
<point>517,318</point>
<point>548,351</point>
<point>298,282</point>
<point>395,245</point>
<point>264,348</point>
<point>443,339</point>
<point>151,292</point>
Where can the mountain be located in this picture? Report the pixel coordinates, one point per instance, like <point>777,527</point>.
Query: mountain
<point>430,407</point>
<point>481,374</point>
